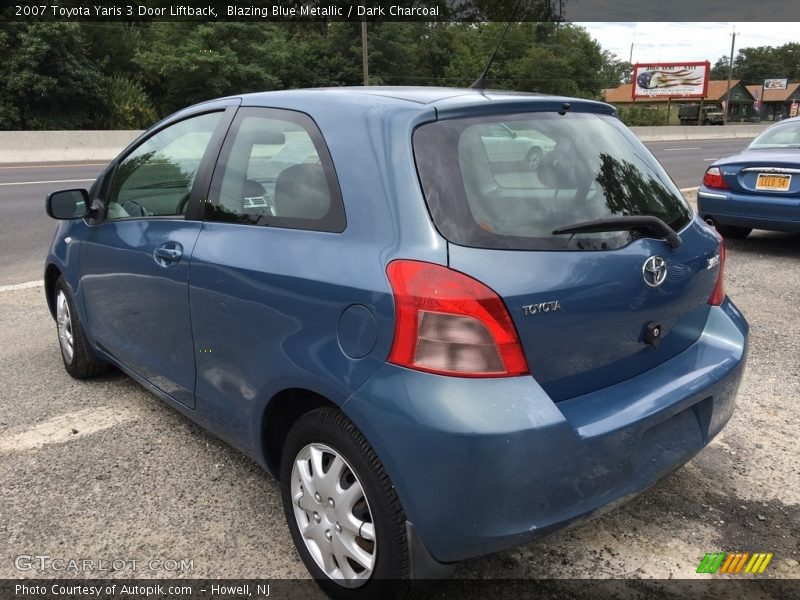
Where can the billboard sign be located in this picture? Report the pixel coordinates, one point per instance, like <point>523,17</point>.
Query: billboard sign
<point>776,84</point>
<point>670,80</point>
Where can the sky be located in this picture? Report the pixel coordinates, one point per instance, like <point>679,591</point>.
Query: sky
<point>676,42</point>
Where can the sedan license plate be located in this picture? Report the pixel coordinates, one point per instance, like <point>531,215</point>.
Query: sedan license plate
<point>772,182</point>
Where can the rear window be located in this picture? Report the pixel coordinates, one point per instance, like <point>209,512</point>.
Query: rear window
<point>785,135</point>
<point>508,181</point>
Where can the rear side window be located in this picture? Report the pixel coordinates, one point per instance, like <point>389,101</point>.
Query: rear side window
<point>508,181</point>
<point>275,171</point>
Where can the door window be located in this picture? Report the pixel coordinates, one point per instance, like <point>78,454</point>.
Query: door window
<point>156,178</point>
<point>275,171</point>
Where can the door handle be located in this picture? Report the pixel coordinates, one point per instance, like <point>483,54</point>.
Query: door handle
<point>168,254</point>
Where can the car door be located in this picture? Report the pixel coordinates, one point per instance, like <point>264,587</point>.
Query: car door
<point>135,261</point>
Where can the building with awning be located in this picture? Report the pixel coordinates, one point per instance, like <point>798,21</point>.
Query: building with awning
<point>740,106</point>
<point>775,103</point>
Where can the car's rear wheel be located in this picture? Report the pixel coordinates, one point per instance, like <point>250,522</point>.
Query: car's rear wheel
<point>344,516</point>
<point>733,232</point>
<point>534,158</point>
<point>79,359</point>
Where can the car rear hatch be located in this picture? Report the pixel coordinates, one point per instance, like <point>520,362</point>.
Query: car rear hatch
<point>763,172</point>
<point>590,308</point>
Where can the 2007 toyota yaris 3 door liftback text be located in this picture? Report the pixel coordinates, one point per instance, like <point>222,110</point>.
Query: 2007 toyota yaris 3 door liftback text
<point>440,353</point>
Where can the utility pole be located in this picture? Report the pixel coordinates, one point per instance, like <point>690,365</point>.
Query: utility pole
<point>364,55</point>
<point>730,75</point>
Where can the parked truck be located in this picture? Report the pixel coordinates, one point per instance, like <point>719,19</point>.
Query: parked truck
<point>712,115</point>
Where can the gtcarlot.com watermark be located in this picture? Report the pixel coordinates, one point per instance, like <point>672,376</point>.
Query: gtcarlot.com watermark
<point>42,562</point>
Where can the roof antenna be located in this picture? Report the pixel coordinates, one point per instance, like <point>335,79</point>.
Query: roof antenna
<point>480,82</point>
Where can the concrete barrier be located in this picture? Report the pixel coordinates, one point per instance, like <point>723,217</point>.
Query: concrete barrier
<point>673,133</point>
<point>60,146</point>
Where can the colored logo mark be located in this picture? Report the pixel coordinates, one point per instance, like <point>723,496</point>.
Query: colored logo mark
<point>734,562</point>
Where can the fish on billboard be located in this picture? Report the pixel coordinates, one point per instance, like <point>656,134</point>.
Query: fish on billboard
<point>671,80</point>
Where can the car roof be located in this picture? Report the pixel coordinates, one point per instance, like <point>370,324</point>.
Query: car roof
<point>441,98</point>
<point>402,94</point>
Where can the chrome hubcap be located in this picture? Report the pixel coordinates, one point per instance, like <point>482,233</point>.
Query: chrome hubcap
<point>534,158</point>
<point>333,515</point>
<point>64,323</point>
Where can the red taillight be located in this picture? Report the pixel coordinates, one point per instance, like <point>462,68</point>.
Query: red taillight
<point>451,324</point>
<point>714,179</point>
<point>718,295</point>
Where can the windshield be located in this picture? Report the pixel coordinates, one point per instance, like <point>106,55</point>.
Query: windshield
<point>785,135</point>
<point>508,181</point>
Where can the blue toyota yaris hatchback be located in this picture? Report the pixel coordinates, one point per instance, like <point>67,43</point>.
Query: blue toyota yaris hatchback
<point>439,351</point>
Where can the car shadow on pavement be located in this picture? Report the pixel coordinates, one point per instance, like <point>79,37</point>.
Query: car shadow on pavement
<point>768,243</point>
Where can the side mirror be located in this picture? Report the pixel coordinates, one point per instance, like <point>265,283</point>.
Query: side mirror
<point>67,204</point>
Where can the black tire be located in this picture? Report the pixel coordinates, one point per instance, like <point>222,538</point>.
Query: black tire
<point>706,122</point>
<point>82,363</point>
<point>391,570</point>
<point>732,232</point>
<point>534,158</point>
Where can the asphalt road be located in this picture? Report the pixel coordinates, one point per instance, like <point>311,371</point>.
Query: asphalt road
<point>686,161</point>
<point>25,231</point>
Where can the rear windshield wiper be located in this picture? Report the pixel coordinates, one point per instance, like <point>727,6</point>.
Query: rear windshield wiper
<point>652,224</point>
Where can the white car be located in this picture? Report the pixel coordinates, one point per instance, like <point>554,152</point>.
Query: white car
<point>504,145</point>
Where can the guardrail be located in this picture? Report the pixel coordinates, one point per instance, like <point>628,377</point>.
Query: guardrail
<point>672,133</point>
<point>60,146</point>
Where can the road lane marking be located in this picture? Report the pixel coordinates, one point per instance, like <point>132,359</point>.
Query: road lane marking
<point>62,428</point>
<point>676,149</point>
<point>42,182</point>
<point>709,159</point>
<point>21,286</point>
<point>52,166</point>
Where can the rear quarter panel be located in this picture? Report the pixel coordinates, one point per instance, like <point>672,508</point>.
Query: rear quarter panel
<point>267,304</point>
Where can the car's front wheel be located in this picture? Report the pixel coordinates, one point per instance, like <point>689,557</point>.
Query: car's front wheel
<point>732,232</point>
<point>79,359</point>
<point>343,513</point>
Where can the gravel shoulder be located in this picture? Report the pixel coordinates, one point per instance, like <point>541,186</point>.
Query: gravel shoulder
<point>105,470</point>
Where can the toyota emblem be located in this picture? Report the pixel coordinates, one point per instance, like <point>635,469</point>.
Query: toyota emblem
<point>654,271</point>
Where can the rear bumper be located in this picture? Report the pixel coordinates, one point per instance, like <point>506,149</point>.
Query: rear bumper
<point>485,465</point>
<point>773,213</point>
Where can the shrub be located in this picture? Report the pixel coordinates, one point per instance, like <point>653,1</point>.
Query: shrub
<point>128,105</point>
<point>642,116</point>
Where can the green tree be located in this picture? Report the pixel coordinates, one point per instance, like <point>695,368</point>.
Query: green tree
<point>754,65</point>
<point>127,74</point>
<point>334,58</point>
<point>47,80</point>
<point>112,45</point>
<point>536,57</point>
<point>720,68</point>
<point>185,63</point>
<point>128,105</point>
<point>613,71</point>
<point>757,64</point>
